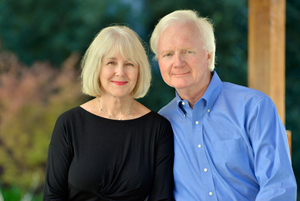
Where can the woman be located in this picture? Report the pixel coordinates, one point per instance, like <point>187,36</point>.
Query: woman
<point>112,147</point>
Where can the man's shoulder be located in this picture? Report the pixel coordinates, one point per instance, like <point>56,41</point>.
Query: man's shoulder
<point>241,91</point>
<point>235,95</point>
<point>167,109</point>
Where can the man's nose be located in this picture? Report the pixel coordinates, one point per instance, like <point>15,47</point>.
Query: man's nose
<point>179,60</point>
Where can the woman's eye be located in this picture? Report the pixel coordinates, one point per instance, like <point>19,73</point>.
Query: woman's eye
<point>110,63</point>
<point>189,52</point>
<point>129,64</point>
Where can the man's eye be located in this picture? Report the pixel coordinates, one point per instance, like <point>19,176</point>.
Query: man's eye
<point>168,55</point>
<point>187,52</point>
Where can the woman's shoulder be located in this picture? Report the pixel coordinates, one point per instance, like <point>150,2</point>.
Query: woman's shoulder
<point>69,114</point>
<point>157,116</point>
<point>143,111</point>
<point>154,119</point>
<point>139,110</point>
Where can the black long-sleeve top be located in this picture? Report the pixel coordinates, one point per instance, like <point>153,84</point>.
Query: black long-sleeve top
<point>93,158</point>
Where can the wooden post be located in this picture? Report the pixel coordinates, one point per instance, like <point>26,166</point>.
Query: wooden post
<point>266,50</point>
<point>289,136</point>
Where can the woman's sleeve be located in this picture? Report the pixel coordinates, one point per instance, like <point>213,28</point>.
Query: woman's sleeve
<point>59,159</point>
<point>162,188</point>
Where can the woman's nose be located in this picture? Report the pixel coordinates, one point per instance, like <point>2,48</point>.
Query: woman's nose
<point>120,70</point>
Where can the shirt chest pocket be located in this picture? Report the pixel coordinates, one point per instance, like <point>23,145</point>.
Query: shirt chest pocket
<point>233,146</point>
<point>231,157</point>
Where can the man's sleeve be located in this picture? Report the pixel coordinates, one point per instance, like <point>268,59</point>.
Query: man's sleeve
<point>272,163</point>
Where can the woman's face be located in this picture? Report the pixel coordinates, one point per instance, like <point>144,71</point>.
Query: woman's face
<point>118,76</point>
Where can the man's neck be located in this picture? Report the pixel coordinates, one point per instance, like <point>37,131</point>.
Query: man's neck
<point>193,94</point>
<point>191,97</point>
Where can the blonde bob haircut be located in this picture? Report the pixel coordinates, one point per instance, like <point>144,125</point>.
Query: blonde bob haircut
<point>204,26</point>
<point>108,42</point>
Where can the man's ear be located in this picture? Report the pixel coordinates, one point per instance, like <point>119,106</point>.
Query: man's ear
<point>209,58</point>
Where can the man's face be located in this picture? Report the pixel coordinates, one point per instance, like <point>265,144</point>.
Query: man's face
<point>182,60</point>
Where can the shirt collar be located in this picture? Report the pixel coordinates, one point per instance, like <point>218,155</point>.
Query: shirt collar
<point>213,90</point>
<point>211,94</point>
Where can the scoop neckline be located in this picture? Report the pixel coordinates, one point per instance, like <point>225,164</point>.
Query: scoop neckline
<point>116,120</point>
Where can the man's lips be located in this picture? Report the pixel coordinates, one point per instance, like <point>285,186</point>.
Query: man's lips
<point>180,74</point>
<point>120,83</point>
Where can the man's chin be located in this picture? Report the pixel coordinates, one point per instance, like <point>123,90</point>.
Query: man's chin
<point>180,86</point>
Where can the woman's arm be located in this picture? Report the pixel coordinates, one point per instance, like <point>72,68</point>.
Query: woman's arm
<point>162,188</point>
<point>59,159</point>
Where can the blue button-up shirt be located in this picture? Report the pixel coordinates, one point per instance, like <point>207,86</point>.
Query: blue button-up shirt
<point>231,146</point>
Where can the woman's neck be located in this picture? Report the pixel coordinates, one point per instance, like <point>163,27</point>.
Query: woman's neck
<point>115,108</point>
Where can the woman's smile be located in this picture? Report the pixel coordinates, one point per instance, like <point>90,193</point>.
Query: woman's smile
<point>119,83</point>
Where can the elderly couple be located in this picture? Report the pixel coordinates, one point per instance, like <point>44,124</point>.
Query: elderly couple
<point>213,141</point>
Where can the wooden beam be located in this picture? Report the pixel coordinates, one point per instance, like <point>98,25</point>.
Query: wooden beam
<point>266,50</point>
<point>289,137</point>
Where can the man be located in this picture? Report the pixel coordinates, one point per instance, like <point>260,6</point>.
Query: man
<point>230,143</point>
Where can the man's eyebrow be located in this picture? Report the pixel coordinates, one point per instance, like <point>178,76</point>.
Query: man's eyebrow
<point>164,51</point>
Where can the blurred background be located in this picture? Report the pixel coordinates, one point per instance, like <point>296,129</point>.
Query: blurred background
<point>42,43</point>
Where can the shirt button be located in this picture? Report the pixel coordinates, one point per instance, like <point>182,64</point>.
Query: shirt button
<point>184,115</point>
<point>208,110</point>
<point>182,103</point>
<point>199,145</point>
<point>205,169</point>
<point>210,193</point>
<point>197,122</point>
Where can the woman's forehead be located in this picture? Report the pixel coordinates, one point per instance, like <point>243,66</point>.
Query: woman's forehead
<point>116,55</point>
<point>124,52</point>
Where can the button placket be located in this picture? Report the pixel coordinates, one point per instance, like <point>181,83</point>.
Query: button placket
<point>199,112</point>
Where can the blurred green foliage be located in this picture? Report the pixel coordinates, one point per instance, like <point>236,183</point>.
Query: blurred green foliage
<point>48,39</point>
<point>15,194</point>
<point>31,99</point>
<point>11,194</point>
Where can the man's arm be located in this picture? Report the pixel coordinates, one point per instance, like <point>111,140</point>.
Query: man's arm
<point>272,163</point>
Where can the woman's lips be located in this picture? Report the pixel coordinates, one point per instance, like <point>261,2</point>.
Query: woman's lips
<point>120,83</point>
